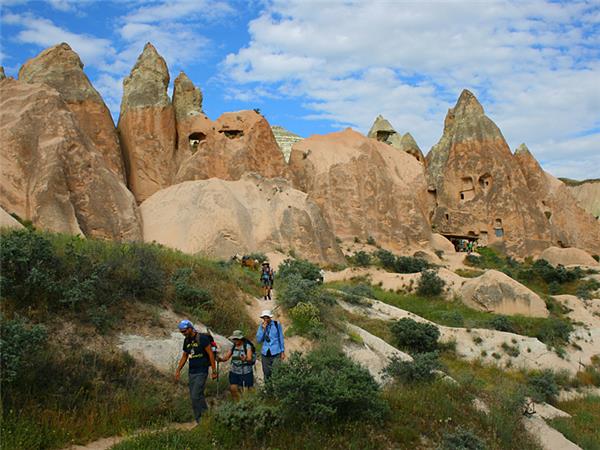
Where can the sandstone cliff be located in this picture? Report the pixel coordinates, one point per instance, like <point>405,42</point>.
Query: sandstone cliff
<point>478,187</point>
<point>61,68</point>
<point>383,131</point>
<point>364,187</point>
<point>285,139</point>
<point>147,126</point>
<point>52,173</point>
<point>570,225</point>
<point>221,218</point>
<point>235,144</point>
<point>587,194</point>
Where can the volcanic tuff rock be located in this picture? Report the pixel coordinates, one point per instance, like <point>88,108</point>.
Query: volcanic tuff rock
<point>571,226</point>
<point>496,292</point>
<point>235,144</point>
<point>364,187</point>
<point>52,173</point>
<point>222,218</point>
<point>383,131</point>
<point>285,139</point>
<point>8,221</point>
<point>567,257</point>
<point>61,68</point>
<point>587,194</point>
<point>147,126</point>
<point>187,98</point>
<point>478,187</point>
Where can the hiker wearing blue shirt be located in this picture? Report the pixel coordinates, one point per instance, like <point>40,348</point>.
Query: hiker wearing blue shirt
<point>270,334</point>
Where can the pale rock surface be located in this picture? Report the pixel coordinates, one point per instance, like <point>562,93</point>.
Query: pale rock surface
<point>285,139</point>
<point>364,187</point>
<point>587,195</point>
<point>373,353</point>
<point>147,126</point>
<point>52,174</point>
<point>496,292</point>
<point>235,144</point>
<point>221,218</point>
<point>8,221</point>
<point>549,438</point>
<point>570,225</point>
<point>441,243</point>
<point>568,257</point>
<point>533,354</point>
<point>61,68</point>
<point>478,187</point>
<point>410,146</point>
<point>187,103</point>
<point>383,131</point>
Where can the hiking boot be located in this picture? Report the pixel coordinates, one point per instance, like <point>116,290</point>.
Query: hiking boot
<point>269,296</point>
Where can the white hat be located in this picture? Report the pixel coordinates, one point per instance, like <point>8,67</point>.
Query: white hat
<point>266,313</point>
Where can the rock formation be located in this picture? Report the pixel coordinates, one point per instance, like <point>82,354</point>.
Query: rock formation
<point>587,194</point>
<point>221,218</point>
<point>496,292</point>
<point>2,74</point>
<point>8,221</point>
<point>235,144</point>
<point>383,131</point>
<point>570,225</point>
<point>52,173</point>
<point>568,257</point>
<point>187,102</point>
<point>478,187</point>
<point>364,187</point>
<point>61,68</point>
<point>285,139</point>
<point>147,126</point>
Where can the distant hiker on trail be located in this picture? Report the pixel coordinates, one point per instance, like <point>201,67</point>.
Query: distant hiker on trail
<point>270,334</point>
<point>243,357</point>
<point>266,278</point>
<point>199,349</point>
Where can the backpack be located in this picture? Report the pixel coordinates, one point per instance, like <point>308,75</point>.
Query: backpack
<point>213,345</point>
<point>248,342</point>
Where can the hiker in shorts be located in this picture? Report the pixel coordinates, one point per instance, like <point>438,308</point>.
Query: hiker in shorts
<point>270,334</point>
<point>197,348</point>
<point>242,354</point>
<point>266,278</point>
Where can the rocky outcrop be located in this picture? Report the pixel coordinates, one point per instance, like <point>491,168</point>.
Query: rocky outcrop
<point>2,74</point>
<point>383,131</point>
<point>235,144</point>
<point>570,225</point>
<point>147,126</point>
<point>478,187</point>
<point>587,195</point>
<point>8,221</point>
<point>440,243</point>
<point>364,187</point>
<point>285,139</point>
<point>221,218</point>
<point>52,174</point>
<point>187,102</point>
<point>568,257</point>
<point>61,68</point>
<point>496,292</point>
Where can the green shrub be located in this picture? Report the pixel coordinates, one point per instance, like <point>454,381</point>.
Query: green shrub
<point>554,331</point>
<point>430,284</point>
<point>452,318</point>
<point>356,292</point>
<point>585,290</point>
<point>415,336</point>
<point>371,240</point>
<point>300,290</point>
<point>299,267</point>
<point>387,259</point>
<point>249,415</point>
<point>558,274</point>
<point>410,264</point>
<point>260,257</point>
<point>502,323</point>
<point>305,319</point>
<point>362,258</point>
<point>462,439</point>
<point>187,295</point>
<point>20,345</point>
<point>421,369</point>
<point>325,386</point>
<point>543,386</point>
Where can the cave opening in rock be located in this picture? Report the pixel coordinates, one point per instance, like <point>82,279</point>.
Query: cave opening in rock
<point>468,189</point>
<point>232,134</point>
<point>195,139</point>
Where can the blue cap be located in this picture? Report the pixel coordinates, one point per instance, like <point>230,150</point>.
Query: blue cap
<point>185,324</point>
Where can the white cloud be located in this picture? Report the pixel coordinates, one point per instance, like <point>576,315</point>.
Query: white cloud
<point>534,65</point>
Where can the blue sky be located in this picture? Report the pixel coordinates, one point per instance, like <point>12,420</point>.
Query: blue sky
<point>319,66</point>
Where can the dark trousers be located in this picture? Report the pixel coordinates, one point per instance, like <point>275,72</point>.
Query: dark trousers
<point>267,364</point>
<point>197,383</point>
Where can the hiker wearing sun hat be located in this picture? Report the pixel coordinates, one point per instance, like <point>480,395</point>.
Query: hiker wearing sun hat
<point>270,333</point>
<point>243,357</point>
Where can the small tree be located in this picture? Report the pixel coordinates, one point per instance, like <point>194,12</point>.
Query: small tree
<point>415,336</point>
<point>430,284</point>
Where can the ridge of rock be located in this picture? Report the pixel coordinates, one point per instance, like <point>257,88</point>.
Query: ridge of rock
<point>285,140</point>
<point>61,68</point>
<point>410,146</point>
<point>187,98</point>
<point>147,126</point>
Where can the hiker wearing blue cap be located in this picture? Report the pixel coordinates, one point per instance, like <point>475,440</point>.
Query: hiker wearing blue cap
<point>198,349</point>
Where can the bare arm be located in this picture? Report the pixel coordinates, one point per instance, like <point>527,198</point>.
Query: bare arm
<point>226,356</point>
<point>182,361</point>
<point>211,358</point>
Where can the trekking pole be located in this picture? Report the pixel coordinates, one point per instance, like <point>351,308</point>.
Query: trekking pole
<point>217,379</point>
